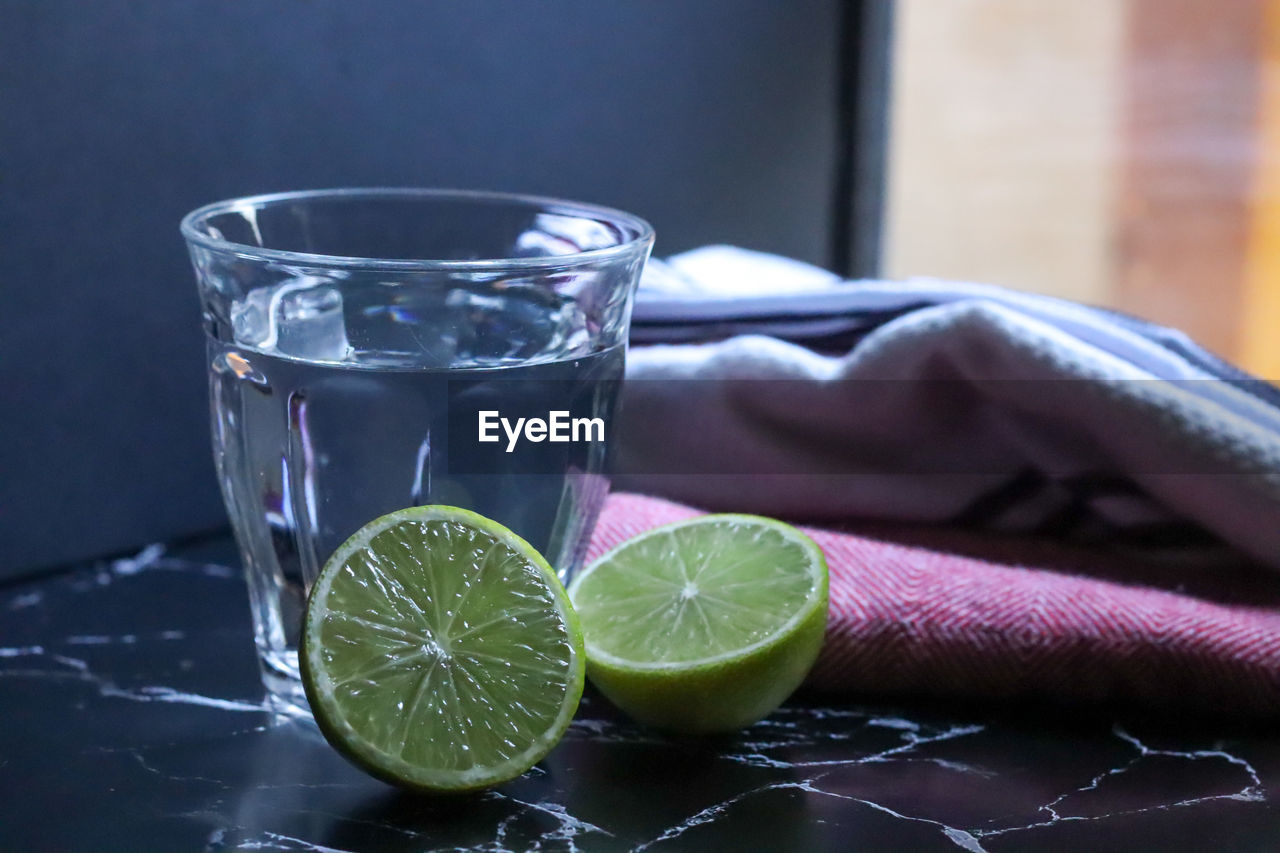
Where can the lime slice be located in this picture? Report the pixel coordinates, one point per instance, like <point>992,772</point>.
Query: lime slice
<point>440,652</point>
<point>704,625</point>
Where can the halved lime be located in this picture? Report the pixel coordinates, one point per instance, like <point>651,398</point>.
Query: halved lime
<point>440,652</point>
<point>704,625</point>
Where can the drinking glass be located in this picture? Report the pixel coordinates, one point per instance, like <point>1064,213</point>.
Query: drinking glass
<point>356,339</point>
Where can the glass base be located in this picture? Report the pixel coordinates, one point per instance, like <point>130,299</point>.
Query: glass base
<point>280,676</point>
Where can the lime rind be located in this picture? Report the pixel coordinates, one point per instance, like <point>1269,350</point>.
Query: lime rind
<point>716,692</point>
<point>373,757</point>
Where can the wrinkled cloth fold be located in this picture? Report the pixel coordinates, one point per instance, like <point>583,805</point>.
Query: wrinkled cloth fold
<point>1116,487</point>
<point>908,619</point>
<point>762,384</point>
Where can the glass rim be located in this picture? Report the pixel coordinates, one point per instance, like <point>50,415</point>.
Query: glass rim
<point>641,231</point>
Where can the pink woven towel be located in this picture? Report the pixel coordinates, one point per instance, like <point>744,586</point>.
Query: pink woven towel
<point>906,619</point>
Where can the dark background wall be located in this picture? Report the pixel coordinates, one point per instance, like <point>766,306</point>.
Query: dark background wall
<point>718,120</point>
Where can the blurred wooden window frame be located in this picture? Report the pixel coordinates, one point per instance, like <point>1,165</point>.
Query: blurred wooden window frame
<point>1118,152</point>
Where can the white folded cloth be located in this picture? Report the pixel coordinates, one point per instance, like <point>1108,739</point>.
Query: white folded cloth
<point>758,383</point>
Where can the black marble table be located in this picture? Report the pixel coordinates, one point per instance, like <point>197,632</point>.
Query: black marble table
<point>131,719</point>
